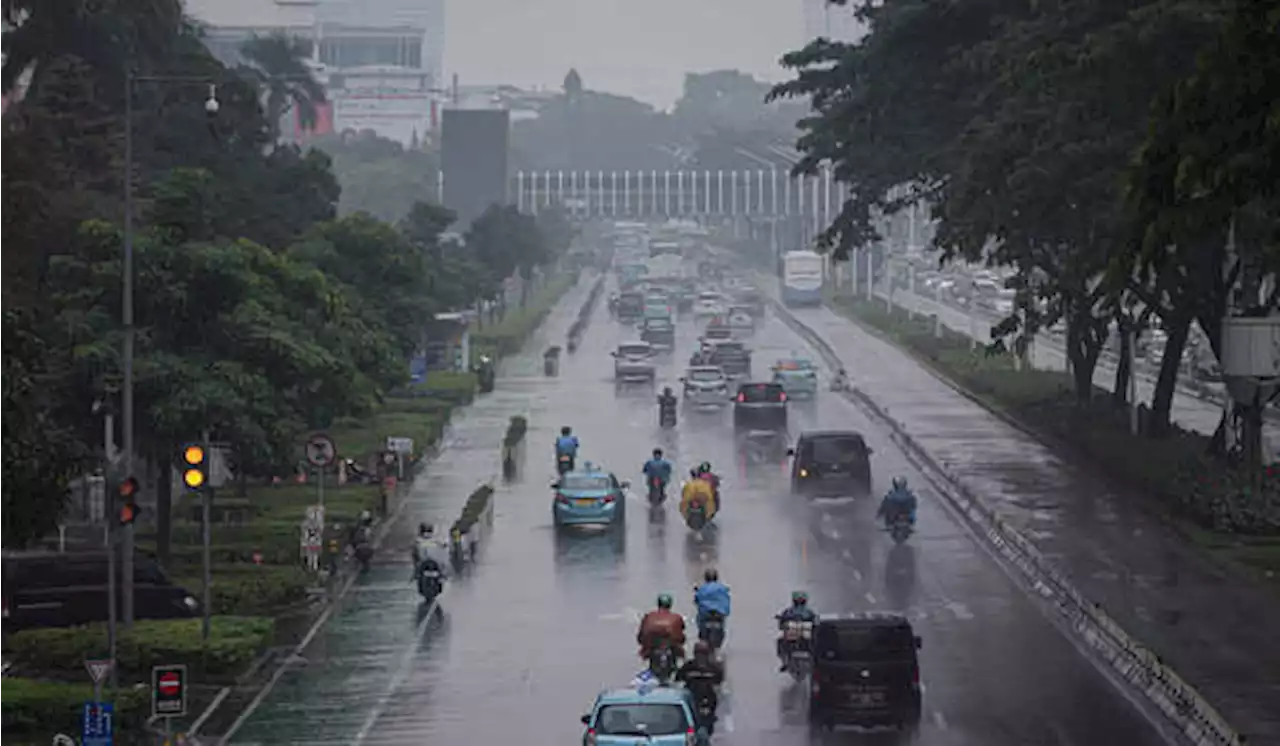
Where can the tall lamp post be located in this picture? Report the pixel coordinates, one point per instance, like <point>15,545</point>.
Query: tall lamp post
<point>211,107</point>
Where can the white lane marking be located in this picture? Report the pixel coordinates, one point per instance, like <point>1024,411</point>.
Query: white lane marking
<point>402,673</point>
<point>830,533</point>
<point>857,575</point>
<point>826,517</point>
<point>870,598</point>
<point>940,720</point>
<point>847,554</point>
<point>728,723</point>
<point>960,610</point>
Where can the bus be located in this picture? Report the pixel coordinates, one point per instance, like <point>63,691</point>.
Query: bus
<point>801,278</point>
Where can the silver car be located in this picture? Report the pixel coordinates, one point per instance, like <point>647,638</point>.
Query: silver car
<point>633,361</point>
<point>705,386</point>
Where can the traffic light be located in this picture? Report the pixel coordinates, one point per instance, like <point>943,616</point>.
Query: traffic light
<point>128,492</point>
<point>194,467</point>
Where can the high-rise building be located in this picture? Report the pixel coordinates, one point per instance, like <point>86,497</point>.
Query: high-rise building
<point>835,22</point>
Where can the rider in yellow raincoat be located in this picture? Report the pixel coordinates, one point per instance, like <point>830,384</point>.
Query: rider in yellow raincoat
<point>698,491</point>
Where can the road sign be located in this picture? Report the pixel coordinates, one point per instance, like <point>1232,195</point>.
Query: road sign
<point>320,450</point>
<point>311,537</point>
<point>400,445</point>
<point>98,669</point>
<point>96,724</point>
<point>315,516</point>
<point>62,739</point>
<point>168,691</point>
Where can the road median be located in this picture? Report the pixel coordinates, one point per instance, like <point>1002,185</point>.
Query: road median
<point>1182,710</point>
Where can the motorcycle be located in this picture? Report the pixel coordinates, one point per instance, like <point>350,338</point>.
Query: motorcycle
<point>797,640</point>
<point>900,527</point>
<point>712,630</point>
<point>704,714</point>
<point>667,415</point>
<point>657,492</point>
<point>662,662</point>
<point>430,582</point>
<point>564,463</point>
<point>697,517</point>
<point>364,548</point>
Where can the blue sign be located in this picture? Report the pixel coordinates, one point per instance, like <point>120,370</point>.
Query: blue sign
<point>97,724</point>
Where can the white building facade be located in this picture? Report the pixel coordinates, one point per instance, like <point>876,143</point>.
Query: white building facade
<point>835,22</point>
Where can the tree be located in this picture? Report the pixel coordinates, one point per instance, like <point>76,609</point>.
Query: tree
<point>730,100</point>
<point>278,63</point>
<point>380,176</point>
<point>504,241</point>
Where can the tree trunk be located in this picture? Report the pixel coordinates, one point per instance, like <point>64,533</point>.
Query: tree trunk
<point>1083,351</point>
<point>1167,381</point>
<point>1120,392</point>
<point>164,509</point>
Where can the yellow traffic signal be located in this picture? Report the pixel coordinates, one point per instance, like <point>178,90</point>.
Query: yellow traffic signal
<point>194,467</point>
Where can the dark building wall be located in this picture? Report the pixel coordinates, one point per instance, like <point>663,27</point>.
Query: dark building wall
<point>474,147</point>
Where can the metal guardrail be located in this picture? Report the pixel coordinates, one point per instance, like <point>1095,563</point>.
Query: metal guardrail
<point>1195,720</point>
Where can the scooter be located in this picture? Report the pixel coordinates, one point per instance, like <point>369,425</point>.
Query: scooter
<point>797,639</point>
<point>900,528</point>
<point>712,630</point>
<point>662,662</point>
<point>666,416</point>
<point>657,492</point>
<point>704,714</point>
<point>564,463</point>
<point>430,582</point>
<point>696,518</point>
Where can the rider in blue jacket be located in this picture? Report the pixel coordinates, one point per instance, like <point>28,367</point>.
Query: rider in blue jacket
<point>898,501</point>
<point>712,595</point>
<point>658,468</point>
<point>567,443</point>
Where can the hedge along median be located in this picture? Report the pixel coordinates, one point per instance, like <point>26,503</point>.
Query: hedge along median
<point>1175,470</point>
<point>508,335</point>
<point>511,441</point>
<point>468,532</point>
<point>34,710</point>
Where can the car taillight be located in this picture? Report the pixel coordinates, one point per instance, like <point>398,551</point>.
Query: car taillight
<point>782,397</point>
<point>915,675</point>
<point>815,683</point>
<point>591,737</point>
<point>690,737</point>
<point>562,498</point>
<point>742,397</point>
<point>609,498</point>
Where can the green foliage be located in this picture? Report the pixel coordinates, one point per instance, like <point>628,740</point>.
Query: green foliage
<point>381,176</point>
<point>276,62</point>
<point>233,642</point>
<point>505,241</point>
<point>474,509</point>
<point>516,429</point>
<point>508,335</point>
<point>246,588</point>
<point>36,710</point>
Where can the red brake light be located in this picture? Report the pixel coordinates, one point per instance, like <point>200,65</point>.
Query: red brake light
<point>562,498</point>
<point>609,498</point>
<point>742,397</point>
<point>782,396</point>
<point>915,675</point>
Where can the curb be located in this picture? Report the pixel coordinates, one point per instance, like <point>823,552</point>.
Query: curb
<point>1195,720</point>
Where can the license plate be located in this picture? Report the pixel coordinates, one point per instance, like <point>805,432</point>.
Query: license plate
<point>585,503</point>
<point>866,700</point>
<point>431,574</point>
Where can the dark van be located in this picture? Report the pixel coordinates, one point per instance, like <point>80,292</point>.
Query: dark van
<point>831,463</point>
<point>51,589</point>
<point>865,672</point>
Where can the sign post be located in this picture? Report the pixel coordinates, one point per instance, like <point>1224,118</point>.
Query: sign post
<point>313,536</point>
<point>321,453</point>
<point>98,670</point>
<point>401,447</point>
<point>168,691</point>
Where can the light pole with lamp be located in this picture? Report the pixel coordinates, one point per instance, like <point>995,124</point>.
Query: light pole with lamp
<point>211,107</point>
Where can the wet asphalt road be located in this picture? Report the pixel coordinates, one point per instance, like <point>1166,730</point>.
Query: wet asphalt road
<point>522,642</point>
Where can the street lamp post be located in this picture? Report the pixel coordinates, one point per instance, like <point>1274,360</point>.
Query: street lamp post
<point>127,405</point>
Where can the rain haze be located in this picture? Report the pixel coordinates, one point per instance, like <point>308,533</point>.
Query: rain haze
<point>637,49</point>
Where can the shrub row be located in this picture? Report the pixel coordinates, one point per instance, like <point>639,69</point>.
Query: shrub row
<point>474,509</point>
<point>233,643</point>
<point>507,336</point>
<point>35,710</point>
<point>584,314</point>
<point>247,588</point>
<point>516,428</point>
<point>1176,468</point>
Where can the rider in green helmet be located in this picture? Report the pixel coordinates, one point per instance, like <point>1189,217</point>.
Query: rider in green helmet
<point>704,472</point>
<point>661,626</point>
<point>798,611</point>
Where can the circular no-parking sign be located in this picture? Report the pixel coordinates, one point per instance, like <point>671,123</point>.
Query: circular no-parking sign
<point>320,450</point>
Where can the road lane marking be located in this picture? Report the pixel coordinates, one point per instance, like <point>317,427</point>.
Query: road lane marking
<point>847,554</point>
<point>728,723</point>
<point>960,610</point>
<point>940,720</point>
<point>857,575</point>
<point>401,675</point>
<point>870,598</point>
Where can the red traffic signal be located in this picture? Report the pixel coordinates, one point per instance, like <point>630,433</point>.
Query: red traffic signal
<point>129,513</point>
<point>128,489</point>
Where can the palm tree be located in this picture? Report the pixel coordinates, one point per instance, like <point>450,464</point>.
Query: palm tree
<point>278,63</point>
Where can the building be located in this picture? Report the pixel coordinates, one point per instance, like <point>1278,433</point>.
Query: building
<point>380,60</point>
<point>835,22</point>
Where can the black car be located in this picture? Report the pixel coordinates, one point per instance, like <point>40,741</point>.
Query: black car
<point>731,355</point>
<point>659,332</point>
<point>760,406</point>
<point>630,306</point>
<point>50,589</point>
<point>831,463</point>
<point>866,672</point>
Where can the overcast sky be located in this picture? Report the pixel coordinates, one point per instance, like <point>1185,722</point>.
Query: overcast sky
<point>639,48</point>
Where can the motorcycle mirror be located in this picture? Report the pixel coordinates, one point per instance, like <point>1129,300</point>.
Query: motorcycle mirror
<point>791,451</point>
<point>586,719</point>
<point>626,485</point>
<point>555,485</point>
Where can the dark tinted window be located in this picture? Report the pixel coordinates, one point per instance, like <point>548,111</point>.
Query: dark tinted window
<point>835,450</point>
<point>730,348</point>
<point>760,392</point>
<point>864,643</point>
<point>641,720</point>
<point>585,482</point>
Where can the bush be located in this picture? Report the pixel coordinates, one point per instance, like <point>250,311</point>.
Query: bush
<point>1175,468</point>
<point>37,710</point>
<point>447,387</point>
<point>507,336</point>
<point>245,588</point>
<point>233,643</point>
<point>473,510</point>
<point>515,431</point>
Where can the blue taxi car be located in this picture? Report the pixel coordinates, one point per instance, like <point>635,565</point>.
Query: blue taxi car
<point>589,496</point>
<point>652,716</point>
<point>797,376</point>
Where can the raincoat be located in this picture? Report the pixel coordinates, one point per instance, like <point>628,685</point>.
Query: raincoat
<point>698,490</point>
<point>712,597</point>
<point>898,501</point>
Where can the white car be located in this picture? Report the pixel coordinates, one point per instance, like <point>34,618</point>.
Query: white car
<point>705,386</point>
<point>708,304</point>
<point>633,361</point>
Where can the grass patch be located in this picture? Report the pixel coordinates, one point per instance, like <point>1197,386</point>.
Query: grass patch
<point>508,335</point>
<point>247,588</point>
<point>34,710</point>
<point>1175,470</point>
<point>422,418</point>
<point>233,643</point>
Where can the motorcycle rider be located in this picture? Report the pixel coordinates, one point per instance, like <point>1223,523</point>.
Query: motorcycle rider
<point>704,472</point>
<point>841,381</point>
<point>661,624</point>
<point>427,550</point>
<point>898,501</point>
<point>701,675</point>
<point>667,404</point>
<point>697,491</point>
<point>567,445</point>
<point>362,531</point>
<point>658,468</point>
<point>711,596</point>
<point>798,611</point>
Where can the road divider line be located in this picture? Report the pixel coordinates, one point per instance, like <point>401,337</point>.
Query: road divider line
<point>1185,713</point>
<point>871,599</point>
<point>940,720</point>
<point>407,660</point>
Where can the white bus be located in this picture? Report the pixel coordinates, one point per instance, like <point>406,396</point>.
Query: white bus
<point>802,278</point>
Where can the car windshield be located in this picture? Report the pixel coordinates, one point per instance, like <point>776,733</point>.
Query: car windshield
<point>709,298</point>
<point>584,482</point>
<point>633,350</point>
<point>705,375</point>
<point>641,720</point>
<point>858,643</point>
<point>760,392</point>
<point>729,348</point>
<point>631,299</point>
<point>839,450</point>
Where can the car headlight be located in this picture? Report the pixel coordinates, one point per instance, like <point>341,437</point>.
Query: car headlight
<point>190,603</point>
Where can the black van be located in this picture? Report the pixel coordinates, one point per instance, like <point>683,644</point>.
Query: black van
<point>51,589</point>
<point>865,672</point>
<point>831,463</point>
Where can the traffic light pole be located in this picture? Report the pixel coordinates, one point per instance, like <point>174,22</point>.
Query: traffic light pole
<point>206,510</point>
<point>112,611</point>
<point>127,319</point>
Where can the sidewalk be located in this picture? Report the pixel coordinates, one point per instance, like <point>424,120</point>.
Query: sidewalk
<point>1218,632</point>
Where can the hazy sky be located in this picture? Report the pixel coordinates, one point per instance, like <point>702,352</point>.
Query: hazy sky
<point>639,48</point>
